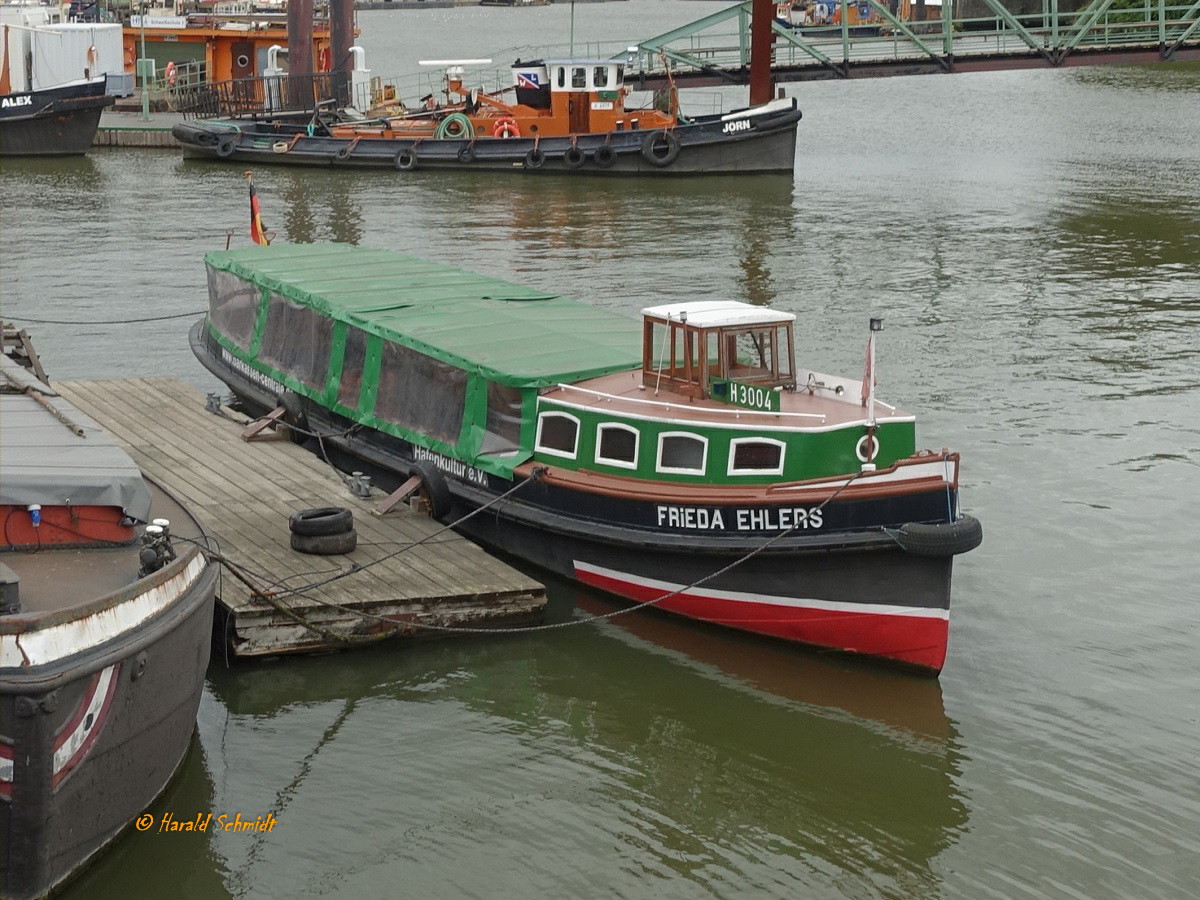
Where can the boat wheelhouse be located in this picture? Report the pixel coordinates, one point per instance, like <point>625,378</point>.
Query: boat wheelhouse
<point>685,461</point>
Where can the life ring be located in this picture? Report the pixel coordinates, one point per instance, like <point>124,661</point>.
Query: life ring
<point>574,158</point>
<point>171,74</point>
<point>605,156</point>
<point>433,485</point>
<point>506,128</point>
<point>466,154</point>
<point>405,160</point>
<point>860,449</point>
<point>942,539</point>
<point>660,148</point>
<point>323,60</point>
<point>534,159</point>
<point>226,147</point>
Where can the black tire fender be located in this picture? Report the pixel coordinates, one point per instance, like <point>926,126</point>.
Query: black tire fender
<point>294,416</point>
<point>941,539</point>
<point>343,153</point>
<point>466,154</point>
<point>659,148</point>
<point>321,520</point>
<point>325,544</point>
<point>405,160</point>
<point>534,159</point>
<point>605,156</point>
<point>574,158</point>
<point>226,146</point>
<point>433,485</point>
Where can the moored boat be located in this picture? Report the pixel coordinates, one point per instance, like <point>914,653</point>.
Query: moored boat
<point>54,82</point>
<point>684,462</point>
<point>557,116</point>
<point>104,637</point>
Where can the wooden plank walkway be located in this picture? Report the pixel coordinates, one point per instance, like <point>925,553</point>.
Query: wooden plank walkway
<point>244,492</point>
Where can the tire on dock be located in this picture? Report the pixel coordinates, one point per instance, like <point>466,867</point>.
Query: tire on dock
<point>321,521</point>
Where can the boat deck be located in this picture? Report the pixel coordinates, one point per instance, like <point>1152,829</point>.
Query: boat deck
<point>819,409</point>
<point>243,493</point>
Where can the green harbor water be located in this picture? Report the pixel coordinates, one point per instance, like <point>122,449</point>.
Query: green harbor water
<point>1032,241</point>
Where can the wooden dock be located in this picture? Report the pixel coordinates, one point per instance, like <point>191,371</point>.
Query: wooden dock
<point>243,492</point>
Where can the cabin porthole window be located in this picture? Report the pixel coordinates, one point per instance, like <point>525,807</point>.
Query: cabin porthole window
<point>558,434</point>
<point>681,453</point>
<point>617,445</point>
<point>755,456</point>
<point>243,61</point>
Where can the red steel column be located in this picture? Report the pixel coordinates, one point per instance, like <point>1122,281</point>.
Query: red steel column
<point>300,36</point>
<point>761,38</point>
<point>341,36</point>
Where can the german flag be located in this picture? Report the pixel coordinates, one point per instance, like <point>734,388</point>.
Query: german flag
<point>258,231</point>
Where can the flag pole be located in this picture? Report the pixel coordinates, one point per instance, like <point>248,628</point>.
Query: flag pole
<point>869,380</point>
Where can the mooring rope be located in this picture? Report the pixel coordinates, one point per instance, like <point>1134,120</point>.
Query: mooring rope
<point>139,320</point>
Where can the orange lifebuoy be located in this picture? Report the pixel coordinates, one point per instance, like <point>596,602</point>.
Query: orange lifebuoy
<point>171,74</point>
<point>506,128</point>
<point>323,60</point>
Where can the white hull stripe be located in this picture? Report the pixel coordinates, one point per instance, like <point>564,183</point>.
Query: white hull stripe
<point>940,468</point>
<point>71,747</point>
<point>875,609</point>
<point>47,645</point>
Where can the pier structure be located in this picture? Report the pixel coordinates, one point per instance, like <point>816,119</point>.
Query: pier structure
<point>408,577</point>
<point>875,38</point>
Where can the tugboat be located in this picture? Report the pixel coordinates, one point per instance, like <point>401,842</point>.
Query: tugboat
<point>560,116</point>
<point>685,462</point>
<point>105,628</point>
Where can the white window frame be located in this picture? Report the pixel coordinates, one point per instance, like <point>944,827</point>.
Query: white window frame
<point>658,463</point>
<point>733,445</point>
<point>537,442</point>
<point>619,463</point>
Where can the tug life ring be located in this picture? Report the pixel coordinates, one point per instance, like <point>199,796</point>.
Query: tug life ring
<point>171,74</point>
<point>506,128</point>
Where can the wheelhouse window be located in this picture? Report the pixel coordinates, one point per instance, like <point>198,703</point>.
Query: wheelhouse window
<point>684,454</point>
<point>421,393</point>
<point>354,359</point>
<point>617,445</point>
<point>233,307</point>
<point>755,456</point>
<point>296,340</point>
<point>558,434</point>
<point>578,77</point>
<point>600,77</point>
<point>502,434</point>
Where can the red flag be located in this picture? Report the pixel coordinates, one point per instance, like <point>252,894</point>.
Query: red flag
<point>869,380</point>
<point>258,231</point>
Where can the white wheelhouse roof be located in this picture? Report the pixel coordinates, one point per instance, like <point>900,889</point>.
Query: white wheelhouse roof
<point>719,313</point>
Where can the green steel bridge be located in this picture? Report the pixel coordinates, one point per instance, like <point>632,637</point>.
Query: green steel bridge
<point>715,50</point>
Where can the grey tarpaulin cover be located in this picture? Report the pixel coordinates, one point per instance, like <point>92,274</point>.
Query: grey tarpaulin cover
<point>43,461</point>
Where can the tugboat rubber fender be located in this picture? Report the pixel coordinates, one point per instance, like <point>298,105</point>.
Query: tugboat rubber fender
<point>343,153</point>
<point>325,544</point>
<point>294,416</point>
<point>405,160</point>
<point>534,159</point>
<point>437,494</point>
<point>605,156</point>
<point>321,521</point>
<point>573,158</point>
<point>943,539</point>
<point>659,148</point>
<point>226,147</point>
<point>466,154</point>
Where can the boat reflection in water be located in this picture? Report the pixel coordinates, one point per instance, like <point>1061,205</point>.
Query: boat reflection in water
<point>685,751</point>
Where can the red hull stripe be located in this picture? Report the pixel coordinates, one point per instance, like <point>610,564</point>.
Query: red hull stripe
<point>78,735</point>
<point>914,636</point>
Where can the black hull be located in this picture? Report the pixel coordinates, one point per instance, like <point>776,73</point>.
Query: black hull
<point>848,584</point>
<point>760,144</point>
<point>56,122</point>
<point>135,698</point>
